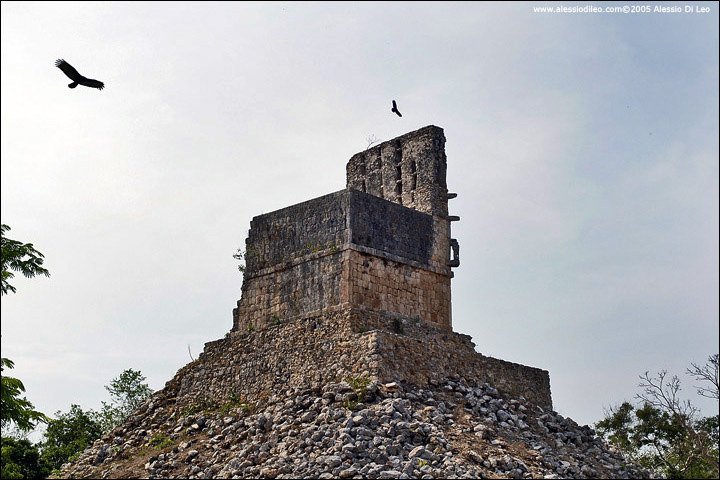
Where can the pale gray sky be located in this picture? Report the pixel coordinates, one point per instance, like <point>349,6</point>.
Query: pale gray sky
<point>583,148</point>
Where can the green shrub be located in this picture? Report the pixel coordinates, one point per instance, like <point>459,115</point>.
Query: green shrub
<point>160,440</point>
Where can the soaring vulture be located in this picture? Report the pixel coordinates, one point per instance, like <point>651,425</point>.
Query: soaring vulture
<point>394,109</point>
<point>76,77</point>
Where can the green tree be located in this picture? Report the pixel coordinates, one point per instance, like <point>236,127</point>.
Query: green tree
<point>127,392</point>
<point>13,408</point>
<point>21,257</point>
<point>20,459</point>
<point>665,433</point>
<point>67,435</point>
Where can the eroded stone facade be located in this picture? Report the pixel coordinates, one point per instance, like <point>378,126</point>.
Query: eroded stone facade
<point>358,281</point>
<point>346,343</point>
<point>409,170</point>
<point>382,244</point>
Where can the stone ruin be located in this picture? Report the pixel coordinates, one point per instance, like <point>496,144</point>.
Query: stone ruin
<point>342,362</point>
<point>380,245</point>
<point>368,270</point>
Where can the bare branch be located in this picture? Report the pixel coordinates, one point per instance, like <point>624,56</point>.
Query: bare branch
<point>707,373</point>
<point>371,139</point>
<point>663,394</point>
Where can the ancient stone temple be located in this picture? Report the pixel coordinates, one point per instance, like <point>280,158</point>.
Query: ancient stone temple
<point>359,281</point>
<point>342,361</point>
<point>381,245</point>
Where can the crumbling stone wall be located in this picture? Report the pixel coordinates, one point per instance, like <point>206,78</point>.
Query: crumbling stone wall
<point>293,262</point>
<point>373,259</point>
<point>252,364</point>
<point>345,343</point>
<point>380,284</point>
<point>387,227</point>
<point>309,227</point>
<point>422,354</point>
<point>409,170</point>
<point>310,284</point>
<point>346,249</point>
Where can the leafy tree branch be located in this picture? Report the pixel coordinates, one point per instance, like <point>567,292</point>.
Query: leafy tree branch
<point>21,257</point>
<point>664,432</point>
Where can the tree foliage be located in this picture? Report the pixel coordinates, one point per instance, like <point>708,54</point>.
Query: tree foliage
<point>67,435</point>
<point>15,409</point>
<point>127,392</point>
<point>70,433</point>
<point>21,257</point>
<point>665,433</point>
<point>21,459</point>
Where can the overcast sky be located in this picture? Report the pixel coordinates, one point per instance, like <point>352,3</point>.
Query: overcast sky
<point>583,148</point>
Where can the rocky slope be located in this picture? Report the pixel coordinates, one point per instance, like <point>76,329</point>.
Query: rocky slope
<point>357,428</point>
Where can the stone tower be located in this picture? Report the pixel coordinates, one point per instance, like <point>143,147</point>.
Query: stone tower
<point>380,246</point>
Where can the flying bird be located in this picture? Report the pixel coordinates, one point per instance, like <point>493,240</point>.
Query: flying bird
<point>394,109</point>
<point>76,77</point>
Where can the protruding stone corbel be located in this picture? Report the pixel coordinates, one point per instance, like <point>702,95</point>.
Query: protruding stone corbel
<point>453,218</point>
<point>455,260</point>
<point>451,195</point>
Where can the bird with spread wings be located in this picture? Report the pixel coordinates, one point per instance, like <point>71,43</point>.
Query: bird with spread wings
<point>76,78</point>
<point>395,109</point>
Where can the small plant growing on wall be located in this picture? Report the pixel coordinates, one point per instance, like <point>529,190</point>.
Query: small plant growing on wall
<point>240,256</point>
<point>234,400</point>
<point>371,139</point>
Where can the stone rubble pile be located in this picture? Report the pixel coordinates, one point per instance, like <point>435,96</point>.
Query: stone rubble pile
<point>355,429</point>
